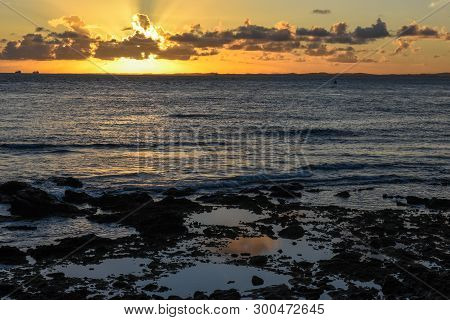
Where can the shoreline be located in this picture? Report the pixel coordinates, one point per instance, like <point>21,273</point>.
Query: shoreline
<point>271,243</point>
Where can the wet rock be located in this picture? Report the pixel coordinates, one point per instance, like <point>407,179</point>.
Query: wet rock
<point>279,292</point>
<point>231,294</point>
<point>6,289</point>
<point>72,246</point>
<point>258,261</point>
<point>251,191</point>
<point>393,287</point>
<point>199,295</point>
<point>343,194</point>
<point>57,275</point>
<point>121,202</point>
<point>257,281</point>
<point>438,204</point>
<point>350,264</point>
<point>255,204</point>
<point>177,193</point>
<point>67,182</point>
<point>12,256</point>
<point>283,192</point>
<point>314,190</point>
<point>20,228</point>
<point>77,197</point>
<point>412,200</point>
<point>155,219</point>
<point>222,232</point>
<point>292,232</point>
<point>152,287</point>
<point>12,187</point>
<point>36,203</point>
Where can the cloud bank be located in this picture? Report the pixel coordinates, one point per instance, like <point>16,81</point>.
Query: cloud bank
<point>335,43</point>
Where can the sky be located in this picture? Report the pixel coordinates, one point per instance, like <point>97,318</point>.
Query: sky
<point>213,36</point>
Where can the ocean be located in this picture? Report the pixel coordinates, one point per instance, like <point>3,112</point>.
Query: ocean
<point>213,132</point>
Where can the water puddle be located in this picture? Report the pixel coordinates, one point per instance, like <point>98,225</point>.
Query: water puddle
<point>107,268</point>
<point>302,249</point>
<point>254,246</point>
<point>228,217</point>
<point>207,277</point>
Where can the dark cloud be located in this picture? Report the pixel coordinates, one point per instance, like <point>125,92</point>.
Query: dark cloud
<point>415,30</point>
<point>274,46</point>
<point>313,32</point>
<point>200,39</point>
<point>254,32</point>
<point>346,57</point>
<point>339,33</point>
<point>376,31</point>
<point>318,50</point>
<point>134,47</point>
<point>143,20</point>
<point>31,46</point>
<point>321,11</point>
<point>41,29</point>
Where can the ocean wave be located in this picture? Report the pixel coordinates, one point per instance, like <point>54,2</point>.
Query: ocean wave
<point>240,181</point>
<point>191,115</point>
<point>307,132</point>
<point>63,147</point>
<point>360,166</point>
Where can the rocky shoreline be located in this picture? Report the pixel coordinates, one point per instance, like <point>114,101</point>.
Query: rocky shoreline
<point>268,243</point>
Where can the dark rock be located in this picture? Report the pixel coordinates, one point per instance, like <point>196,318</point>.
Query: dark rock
<point>155,219</point>
<point>12,187</point>
<point>12,256</point>
<point>231,294</point>
<point>67,246</point>
<point>77,197</point>
<point>176,193</point>
<point>121,202</point>
<point>279,292</point>
<point>151,287</point>
<point>412,200</point>
<point>258,261</point>
<point>284,192</point>
<point>36,203</point>
<point>251,191</point>
<point>257,281</point>
<point>6,289</point>
<point>393,287</point>
<point>314,190</point>
<point>20,228</point>
<point>57,275</point>
<point>198,295</point>
<point>255,204</point>
<point>67,182</point>
<point>343,194</point>
<point>222,232</point>
<point>438,204</point>
<point>292,232</point>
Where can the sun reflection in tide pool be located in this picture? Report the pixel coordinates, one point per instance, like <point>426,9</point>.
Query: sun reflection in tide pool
<point>254,246</point>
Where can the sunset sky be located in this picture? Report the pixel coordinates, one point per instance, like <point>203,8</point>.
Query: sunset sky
<point>204,36</point>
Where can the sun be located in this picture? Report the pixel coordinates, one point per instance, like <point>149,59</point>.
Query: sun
<point>145,66</point>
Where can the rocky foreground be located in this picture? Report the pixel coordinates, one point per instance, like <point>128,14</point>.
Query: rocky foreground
<point>387,254</point>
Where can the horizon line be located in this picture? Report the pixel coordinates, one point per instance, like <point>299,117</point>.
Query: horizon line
<point>18,73</point>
